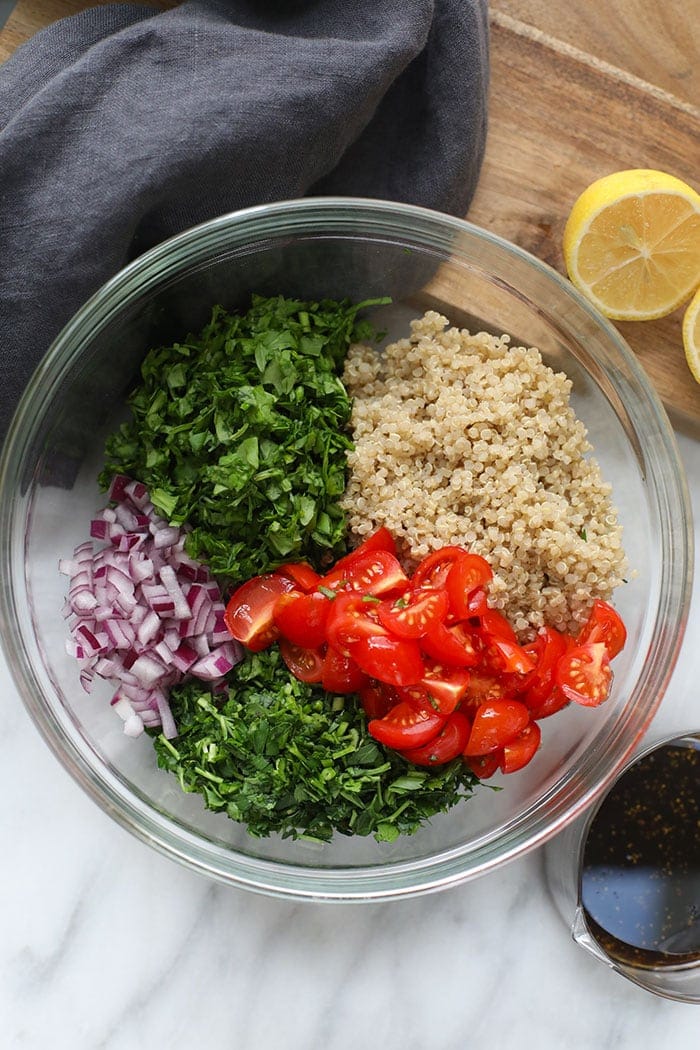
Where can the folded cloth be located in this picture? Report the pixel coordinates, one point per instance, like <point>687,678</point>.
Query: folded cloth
<point>123,125</point>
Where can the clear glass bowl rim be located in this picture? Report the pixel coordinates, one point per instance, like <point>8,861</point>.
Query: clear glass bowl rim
<point>664,471</point>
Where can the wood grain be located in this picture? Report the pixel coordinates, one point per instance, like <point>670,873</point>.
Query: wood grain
<point>577,91</point>
<point>29,16</point>
<point>559,119</point>
<point>655,40</point>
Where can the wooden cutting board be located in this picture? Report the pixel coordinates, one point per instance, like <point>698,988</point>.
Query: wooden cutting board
<point>561,117</point>
<point>577,91</point>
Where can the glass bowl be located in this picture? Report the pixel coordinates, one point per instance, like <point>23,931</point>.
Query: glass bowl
<point>358,249</point>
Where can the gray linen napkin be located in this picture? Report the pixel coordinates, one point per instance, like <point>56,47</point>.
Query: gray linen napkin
<point>123,125</point>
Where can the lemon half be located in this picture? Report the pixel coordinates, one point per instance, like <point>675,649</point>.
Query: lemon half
<point>691,335</point>
<point>632,244</point>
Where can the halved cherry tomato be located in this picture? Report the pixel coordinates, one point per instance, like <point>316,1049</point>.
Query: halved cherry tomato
<point>467,574</point>
<point>396,661</point>
<point>484,766</point>
<point>377,698</point>
<point>351,618</point>
<point>502,651</point>
<point>306,578</point>
<point>518,751</point>
<point>433,570</point>
<point>445,686</point>
<point>302,618</point>
<point>494,624</point>
<point>496,723</point>
<point>341,674</point>
<point>249,613</point>
<point>381,540</point>
<point>374,572</point>
<point>305,664</point>
<point>545,650</point>
<point>456,645</point>
<point>448,744</point>
<point>584,675</point>
<point>477,602</point>
<point>411,615</point>
<point>552,703</point>
<point>511,657</point>
<point>541,694</point>
<point>407,725</point>
<point>484,687</point>
<point>604,625</point>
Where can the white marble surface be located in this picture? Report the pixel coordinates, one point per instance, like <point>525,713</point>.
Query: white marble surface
<point>106,945</point>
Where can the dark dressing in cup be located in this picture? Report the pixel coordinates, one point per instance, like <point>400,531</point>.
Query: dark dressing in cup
<point>640,879</point>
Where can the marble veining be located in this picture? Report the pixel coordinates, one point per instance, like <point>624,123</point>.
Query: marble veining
<point>106,945</point>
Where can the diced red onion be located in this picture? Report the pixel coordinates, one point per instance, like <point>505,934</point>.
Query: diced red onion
<point>137,493</point>
<point>149,627</point>
<point>217,663</point>
<point>134,725</point>
<point>120,633</point>
<point>151,719</point>
<point>129,541</point>
<point>81,578</point>
<point>148,669</point>
<point>126,603</point>
<point>165,537</point>
<point>166,716</point>
<point>219,632</point>
<point>91,643</point>
<point>136,692</point>
<point>105,667</point>
<point>99,528</point>
<point>161,650</point>
<point>86,679</point>
<point>200,644</point>
<point>126,517</point>
<point>183,658</point>
<point>133,601</point>
<point>171,637</point>
<point>140,568</point>
<point>117,489</point>
<point>74,649</point>
<point>138,614</point>
<point>169,581</point>
<point>189,568</point>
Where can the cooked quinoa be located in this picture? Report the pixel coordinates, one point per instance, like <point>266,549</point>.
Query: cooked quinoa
<point>463,439</point>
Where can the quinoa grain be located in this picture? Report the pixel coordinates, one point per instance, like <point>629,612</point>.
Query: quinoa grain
<point>463,439</point>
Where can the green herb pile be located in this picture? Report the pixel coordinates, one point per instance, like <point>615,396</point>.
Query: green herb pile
<point>282,756</point>
<point>241,432</point>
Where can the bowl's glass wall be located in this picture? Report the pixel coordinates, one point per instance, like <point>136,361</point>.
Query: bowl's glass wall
<point>341,249</point>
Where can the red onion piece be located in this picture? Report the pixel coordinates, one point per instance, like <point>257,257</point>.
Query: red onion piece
<point>133,601</point>
<point>216,664</point>
<point>99,529</point>
<point>165,537</point>
<point>117,488</point>
<point>183,658</point>
<point>137,493</point>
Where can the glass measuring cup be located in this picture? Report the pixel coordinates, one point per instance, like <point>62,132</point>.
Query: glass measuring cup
<point>626,875</point>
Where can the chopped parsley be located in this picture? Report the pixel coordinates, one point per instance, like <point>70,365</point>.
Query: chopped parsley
<point>283,756</point>
<point>241,433</point>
